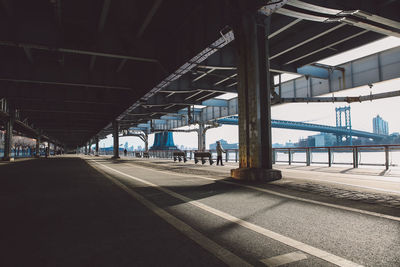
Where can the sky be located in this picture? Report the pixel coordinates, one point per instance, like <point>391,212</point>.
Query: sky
<point>319,113</point>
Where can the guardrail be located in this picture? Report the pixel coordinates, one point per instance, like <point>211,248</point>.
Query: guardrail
<point>354,151</point>
<point>338,155</point>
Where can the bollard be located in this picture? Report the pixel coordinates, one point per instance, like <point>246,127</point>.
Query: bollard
<point>308,156</point>
<point>329,157</point>
<point>355,157</point>
<point>273,156</point>
<point>387,157</point>
<point>290,156</point>
<point>236,155</point>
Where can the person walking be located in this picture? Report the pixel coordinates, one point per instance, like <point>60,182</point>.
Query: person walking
<point>220,150</point>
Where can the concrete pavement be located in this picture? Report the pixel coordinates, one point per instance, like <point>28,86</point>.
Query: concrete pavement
<point>61,212</point>
<point>95,211</point>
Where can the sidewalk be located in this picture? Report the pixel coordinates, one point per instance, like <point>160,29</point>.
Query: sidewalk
<point>364,185</point>
<point>376,179</point>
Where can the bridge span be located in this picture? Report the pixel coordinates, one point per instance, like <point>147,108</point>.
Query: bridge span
<point>295,125</point>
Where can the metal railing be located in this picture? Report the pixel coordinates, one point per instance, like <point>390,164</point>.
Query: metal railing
<point>168,154</point>
<point>355,152</point>
<point>339,155</point>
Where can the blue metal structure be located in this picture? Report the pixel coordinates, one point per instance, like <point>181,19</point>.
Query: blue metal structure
<point>338,131</point>
<point>163,141</point>
<point>346,124</point>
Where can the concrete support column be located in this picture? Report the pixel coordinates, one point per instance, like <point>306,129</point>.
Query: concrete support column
<point>201,138</point>
<point>254,99</point>
<point>37,147</point>
<point>97,146</point>
<point>8,137</point>
<point>47,149</point>
<point>90,147</point>
<point>146,142</point>
<point>116,139</point>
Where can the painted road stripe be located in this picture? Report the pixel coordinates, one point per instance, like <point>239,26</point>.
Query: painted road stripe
<point>221,253</point>
<point>319,253</point>
<point>284,259</point>
<point>371,213</point>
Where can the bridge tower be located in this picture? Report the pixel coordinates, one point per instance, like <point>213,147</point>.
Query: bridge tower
<point>343,120</point>
<point>163,141</point>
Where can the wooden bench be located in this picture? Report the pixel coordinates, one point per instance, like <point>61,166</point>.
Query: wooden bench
<point>179,155</point>
<point>203,156</point>
<point>146,155</point>
<point>138,154</point>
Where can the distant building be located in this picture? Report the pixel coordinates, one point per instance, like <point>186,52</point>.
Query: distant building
<point>289,144</point>
<point>324,139</point>
<point>380,126</point>
<point>277,145</point>
<point>224,145</point>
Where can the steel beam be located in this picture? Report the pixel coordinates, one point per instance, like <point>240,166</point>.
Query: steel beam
<point>323,43</point>
<point>28,54</point>
<point>73,50</point>
<point>8,7</point>
<point>102,22</point>
<point>333,99</point>
<point>66,84</point>
<point>304,38</point>
<point>215,103</point>
<point>148,18</point>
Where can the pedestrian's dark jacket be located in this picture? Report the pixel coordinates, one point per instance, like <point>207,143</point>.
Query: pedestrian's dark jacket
<point>220,150</point>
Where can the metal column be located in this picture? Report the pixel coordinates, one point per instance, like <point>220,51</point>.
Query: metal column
<point>254,99</point>
<point>146,142</point>
<point>37,147</point>
<point>201,138</point>
<point>115,125</point>
<point>97,146</point>
<point>48,151</point>
<point>90,147</point>
<point>9,136</point>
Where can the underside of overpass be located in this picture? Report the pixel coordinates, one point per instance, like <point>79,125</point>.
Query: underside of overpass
<point>75,71</point>
<point>71,67</point>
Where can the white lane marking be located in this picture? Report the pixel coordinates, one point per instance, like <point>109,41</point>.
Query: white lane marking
<point>371,213</point>
<point>221,253</point>
<point>284,259</point>
<point>319,253</point>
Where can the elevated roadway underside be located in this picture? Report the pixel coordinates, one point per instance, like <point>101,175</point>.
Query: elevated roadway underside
<point>70,67</point>
<point>94,211</point>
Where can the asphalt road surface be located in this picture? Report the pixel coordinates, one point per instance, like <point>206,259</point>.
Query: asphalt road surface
<point>93,211</point>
